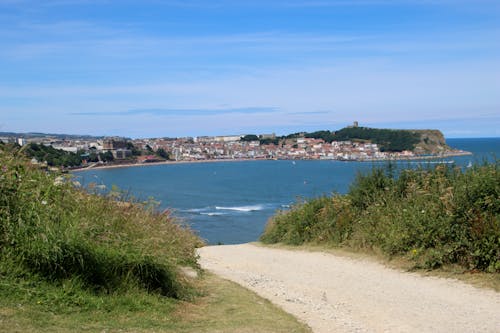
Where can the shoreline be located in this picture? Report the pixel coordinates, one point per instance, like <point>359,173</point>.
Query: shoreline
<point>130,165</point>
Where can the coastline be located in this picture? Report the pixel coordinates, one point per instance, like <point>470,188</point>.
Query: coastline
<point>129,165</point>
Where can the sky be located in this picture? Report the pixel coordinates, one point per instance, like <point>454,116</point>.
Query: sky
<point>173,68</point>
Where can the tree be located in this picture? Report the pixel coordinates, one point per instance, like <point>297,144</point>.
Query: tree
<point>133,149</point>
<point>249,137</point>
<point>327,136</point>
<point>387,139</point>
<point>268,141</point>
<point>93,157</point>
<point>53,157</point>
<point>106,157</point>
<point>162,153</point>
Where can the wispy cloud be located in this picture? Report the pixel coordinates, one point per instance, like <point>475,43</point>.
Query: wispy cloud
<point>132,45</point>
<point>302,113</point>
<point>116,47</point>
<point>180,112</point>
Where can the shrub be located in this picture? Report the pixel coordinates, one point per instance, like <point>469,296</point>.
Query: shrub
<point>434,216</point>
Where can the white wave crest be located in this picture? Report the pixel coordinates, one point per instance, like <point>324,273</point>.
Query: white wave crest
<point>242,208</point>
<point>213,214</point>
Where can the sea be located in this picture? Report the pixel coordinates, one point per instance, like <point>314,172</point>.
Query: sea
<point>231,202</point>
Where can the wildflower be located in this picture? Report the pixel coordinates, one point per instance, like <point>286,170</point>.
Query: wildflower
<point>44,202</point>
<point>59,181</point>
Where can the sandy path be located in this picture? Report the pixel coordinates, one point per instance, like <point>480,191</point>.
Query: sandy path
<point>339,294</point>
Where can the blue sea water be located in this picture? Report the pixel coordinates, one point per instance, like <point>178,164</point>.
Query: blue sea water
<point>231,202</point>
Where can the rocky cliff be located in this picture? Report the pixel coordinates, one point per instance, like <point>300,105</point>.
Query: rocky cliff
<point>431,142</point>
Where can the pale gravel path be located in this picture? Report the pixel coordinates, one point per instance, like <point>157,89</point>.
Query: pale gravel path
<point>338,294</point>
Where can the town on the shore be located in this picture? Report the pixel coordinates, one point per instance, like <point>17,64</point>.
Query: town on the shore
<point>103,151</point>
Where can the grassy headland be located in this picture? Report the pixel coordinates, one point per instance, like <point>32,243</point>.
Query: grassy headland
<point>73,261</point>
<point>432,217</point>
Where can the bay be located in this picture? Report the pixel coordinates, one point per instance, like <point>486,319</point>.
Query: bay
<point>231,202</point>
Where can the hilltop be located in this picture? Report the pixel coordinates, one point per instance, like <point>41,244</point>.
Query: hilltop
<point>429,141</point>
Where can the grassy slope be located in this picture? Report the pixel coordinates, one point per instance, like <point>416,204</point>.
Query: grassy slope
<point>223,307</point>
<point>50,230</point>
<point>70,261</point>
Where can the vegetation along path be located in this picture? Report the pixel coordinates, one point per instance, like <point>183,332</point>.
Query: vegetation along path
<point>339,294</point>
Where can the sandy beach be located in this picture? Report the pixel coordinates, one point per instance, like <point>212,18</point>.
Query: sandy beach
<point>131,165</point>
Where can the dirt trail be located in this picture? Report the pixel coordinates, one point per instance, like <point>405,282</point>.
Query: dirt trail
<point>339,294</point>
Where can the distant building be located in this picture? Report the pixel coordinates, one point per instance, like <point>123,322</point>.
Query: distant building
<point>114,143</point>
<point>268,136</point>
<point>117,146</point>
<point>355,124</point>
<point>121,154</point>
<point>67,149</point>
<point>96,145</point>
<point>228,138</point>
<point>203,139</point>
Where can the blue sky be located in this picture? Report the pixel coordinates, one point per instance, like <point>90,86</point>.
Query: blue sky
<point>156,68</point>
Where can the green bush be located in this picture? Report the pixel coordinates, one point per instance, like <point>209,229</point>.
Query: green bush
<point>433,216</point>
<point>316,220</point>
<point>53,230</point>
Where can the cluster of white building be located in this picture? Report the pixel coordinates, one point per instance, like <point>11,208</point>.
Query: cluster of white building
<point>232,147</point>
<point>223,147</point>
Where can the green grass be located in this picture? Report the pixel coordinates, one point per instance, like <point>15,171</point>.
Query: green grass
<point>50,229</point>
<point>222,306</point>
<point>71,261</point>
<point>432,217</point>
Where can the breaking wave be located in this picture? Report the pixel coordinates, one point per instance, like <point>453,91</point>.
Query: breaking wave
<point>213,214</point>
<point>242,208</point>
